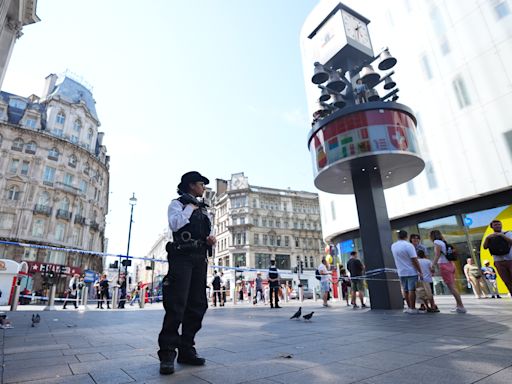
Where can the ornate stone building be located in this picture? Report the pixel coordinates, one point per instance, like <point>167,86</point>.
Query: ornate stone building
<point>14,15</point>
<point>54,179</point>
<point>256,224</point>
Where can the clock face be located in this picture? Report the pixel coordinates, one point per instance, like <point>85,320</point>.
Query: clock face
<point>356,29</point>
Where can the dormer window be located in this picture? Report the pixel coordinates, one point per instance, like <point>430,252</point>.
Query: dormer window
<point>17,103</point>
<point>30,122</point>
<point>72,161</point>
<point>61,118</point>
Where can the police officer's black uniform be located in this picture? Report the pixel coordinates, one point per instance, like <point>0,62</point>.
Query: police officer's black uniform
<point>273,285</point>
<point>184,287</point>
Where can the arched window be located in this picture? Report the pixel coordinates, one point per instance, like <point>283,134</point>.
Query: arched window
<point>72,161</point>
<point>53,154</point>
<point>13,193</point>
<point>17,144</point>
<point>87,168</point>
<point>90,134</point>
<point>31,147</point>
<point>79,209</point>
<point>44,199</point>
<point>61,118</point>
<point>77,125</point>
<point>64,204</point>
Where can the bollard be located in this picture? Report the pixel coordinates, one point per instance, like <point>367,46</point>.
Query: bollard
<point>142,297</point>
<point>85,293</point>
<point>115,294</point>
<point>301,293</point>
<point>234,295</point>
<point>314,293</point>
<point>340,292</point>
<point>15,297</point>
<point>285,294</point>
<point>51,299</point>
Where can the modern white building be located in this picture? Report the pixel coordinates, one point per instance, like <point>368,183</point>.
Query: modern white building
<point>14,15</point>
<point>454,72</point>
<point>54,179</point>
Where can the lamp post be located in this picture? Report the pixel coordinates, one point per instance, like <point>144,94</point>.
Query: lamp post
<point>133,202</point>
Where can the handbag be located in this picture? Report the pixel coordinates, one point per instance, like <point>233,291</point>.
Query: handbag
<point>423,291</point>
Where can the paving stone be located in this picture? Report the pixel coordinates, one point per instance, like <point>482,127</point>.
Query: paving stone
<point>42,362</point>
<point>82,358</point>
<point>77,379</point>
<point>15,374</point>
<point>111,376</point>
<point>502,377</point>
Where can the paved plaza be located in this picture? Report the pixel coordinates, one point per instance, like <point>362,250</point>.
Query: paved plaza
<point>246,344</point>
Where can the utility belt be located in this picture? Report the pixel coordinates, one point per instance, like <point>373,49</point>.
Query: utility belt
<point>185,242</point>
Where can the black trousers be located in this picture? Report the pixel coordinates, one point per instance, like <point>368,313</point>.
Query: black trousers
<point>274,291</point>
<point>185,301</point>
<point>217,296</point>
<point>70,297</point>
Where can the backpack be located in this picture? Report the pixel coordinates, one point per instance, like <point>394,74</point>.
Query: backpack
<point>498,246</point>
<point>450,252</point>
<point>318,275</point>
<point>216,282</point>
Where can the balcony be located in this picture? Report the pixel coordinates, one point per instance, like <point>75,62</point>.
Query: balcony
<point>67,188</point>
<point>43,210</point>
<point>63,214</point>
<point>79,220</point>
<point>94,226</point>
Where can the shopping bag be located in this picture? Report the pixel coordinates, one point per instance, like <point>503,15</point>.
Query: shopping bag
<point>423,291</point>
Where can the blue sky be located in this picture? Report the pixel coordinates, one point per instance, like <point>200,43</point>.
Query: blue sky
<point>208,85</point>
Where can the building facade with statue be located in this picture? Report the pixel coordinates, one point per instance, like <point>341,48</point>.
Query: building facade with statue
<point>54,180</point>
<point>14,15</point>
<point>254,225</point>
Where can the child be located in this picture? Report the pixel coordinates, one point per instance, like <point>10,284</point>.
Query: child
<point>345,283</point>
<point>426,269</point>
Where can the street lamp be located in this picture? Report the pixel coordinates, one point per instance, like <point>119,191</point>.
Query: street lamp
<point>133,202</point>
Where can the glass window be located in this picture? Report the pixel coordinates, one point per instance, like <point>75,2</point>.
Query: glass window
<point>425,65</point>
<point>83,186</point>
<point>265,240</point>
<point>72,161</point>
<point>49,174</point>
<point>44,199</point>
<point>31,147</point>
<point>272,239</point>
<point>13,166</point>
<point>13,193</point>
<point>59,231</point>
<point>278,241</point>
<point>17,145</point>
<point>262,260</point>
<point>256,239</point>
<point>297,242</point>
<point>56,257</point>
<point>283,261</point>
<point>38,227</point>
<point>25,166</point>
<point>68,179</point>
<point>459,86</point>
<point>64,204</point>
<point>239,259</point>
<point>287,241</point>
<point>501,8</point>
<point>77,125</point>
<point>30,254</point>
<point>53,154</point>
<point>30,123</point>
<point>61,118</point>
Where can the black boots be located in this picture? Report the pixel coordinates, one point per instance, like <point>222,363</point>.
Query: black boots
<point>167,364</point>
<point>189,356</point>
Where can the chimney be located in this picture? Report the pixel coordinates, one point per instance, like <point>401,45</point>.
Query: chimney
<point>51,79</point>
<point>100,137</point>
<point>222,186</point>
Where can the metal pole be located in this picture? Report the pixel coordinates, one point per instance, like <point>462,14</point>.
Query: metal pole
<point>51,299</point>
<point>142,297</point>
<point>15,297</point>
<point>128,247</point>
<point>115,294</point>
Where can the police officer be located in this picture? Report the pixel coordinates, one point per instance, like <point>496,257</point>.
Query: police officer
<point>184,287</point>
<point>273,282</point>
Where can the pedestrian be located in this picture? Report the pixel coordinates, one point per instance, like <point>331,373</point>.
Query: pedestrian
<point>490,279</point>
<point>136,294</point>
<point>184,287</point>
<point>408,268</point>
<point>345,284</point>
<point>72,291</point>
<point>356,269</point>
<point>446,268</point>
<point>104,291</point>
<point>216,284</point>
<point>426,269</point>
<point>273,281</point>
<point>499,245</point>
<point>259,287</point>
<point>122,292</point>
<point>325,273</point>
<point>474,277</point>
<point>224,287</point>
<point>98,293</point>
<point>415,240</point>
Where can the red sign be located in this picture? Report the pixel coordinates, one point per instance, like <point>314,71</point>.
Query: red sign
<point>43,268</point>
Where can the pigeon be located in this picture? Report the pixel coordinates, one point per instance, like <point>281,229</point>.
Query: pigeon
<point>36,319</point>
<point>297,314</point>
<point>308,316</point>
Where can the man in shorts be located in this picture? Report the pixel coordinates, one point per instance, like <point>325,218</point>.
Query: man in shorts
<point>356,269</point>
<point>323,269</point>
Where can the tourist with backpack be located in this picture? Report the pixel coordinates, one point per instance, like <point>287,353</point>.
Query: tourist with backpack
<point>444,256</point>
<point>499,245</point>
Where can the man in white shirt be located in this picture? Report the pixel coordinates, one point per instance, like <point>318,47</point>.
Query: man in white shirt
<point>184,287</point>
<point>408,269</point>
<point>323,269</point>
